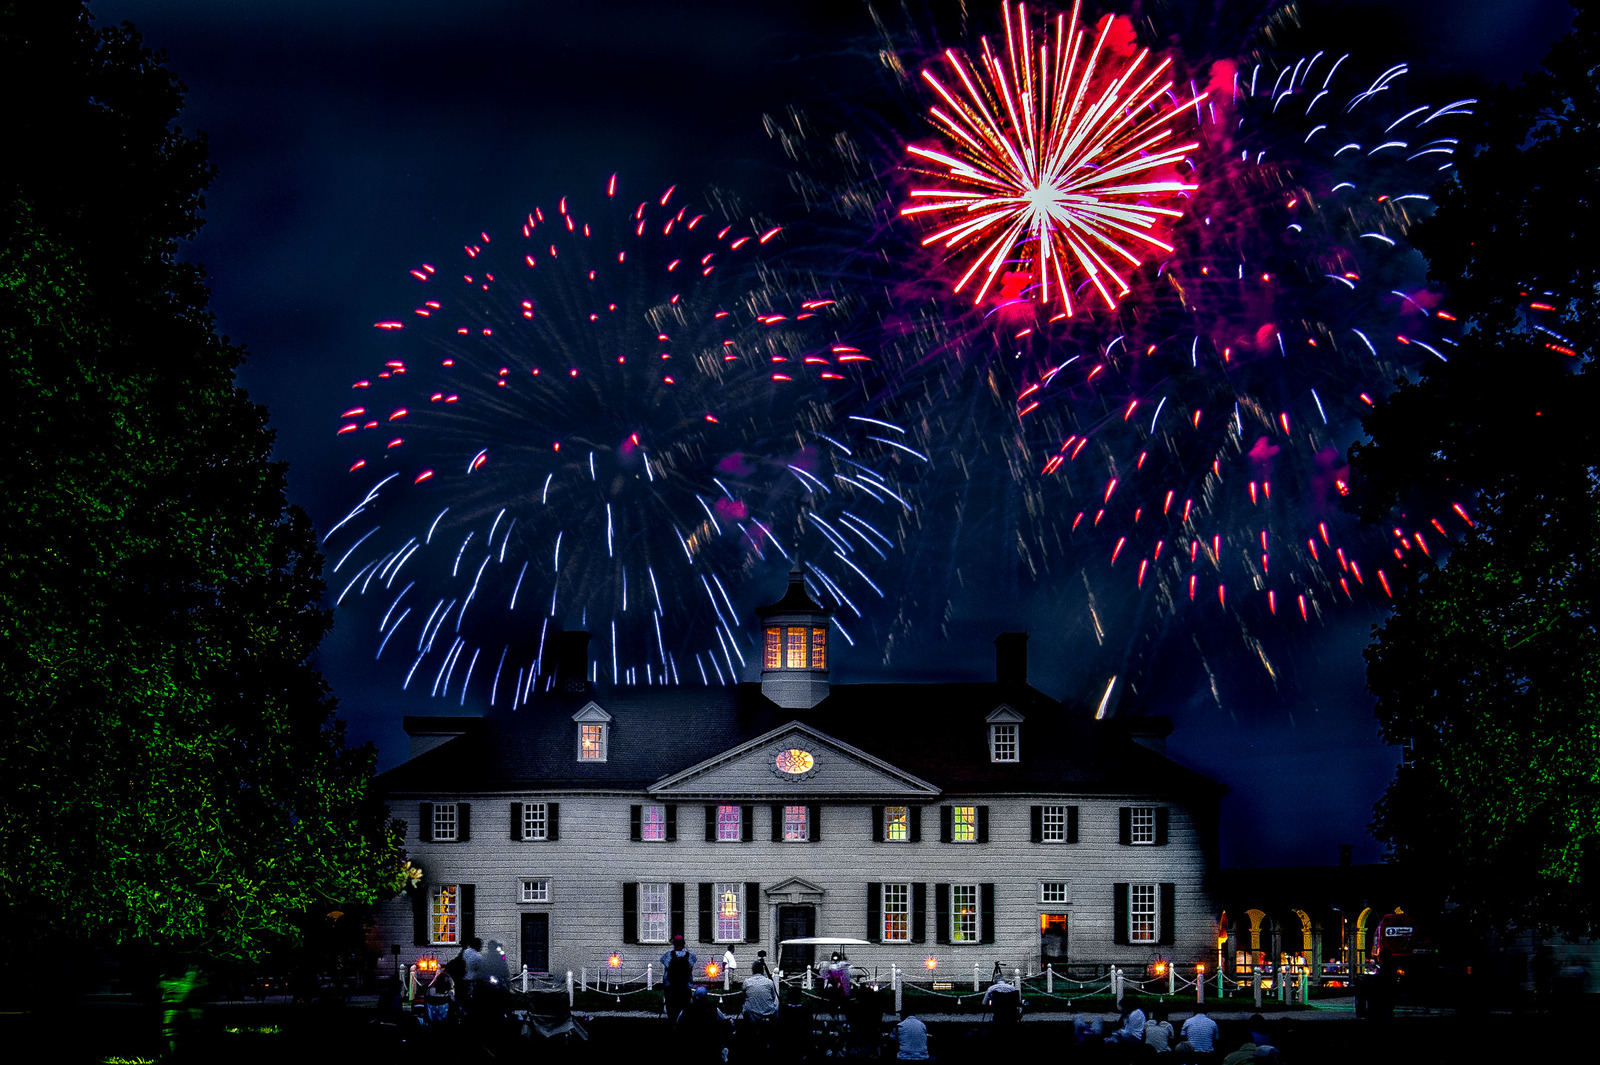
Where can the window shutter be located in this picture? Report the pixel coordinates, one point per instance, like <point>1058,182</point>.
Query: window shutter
<point>707,929</point>
<point>711,823</point>
<point>946,819</point>
<point>636,823</point>
<point>552,821</point>
<point>630,913</point>
<point>516,820</point>
<point>1119,914</point>
<point>916,824</point>
<point>419,916</point>
<point>983,824</point>
<point>425,822</point>
<point>814,823</point>
<point>672,823</point>
<point>877,824</point>
<point>777,822</point>
<point>1161,826</point>
<point>1072,824</point>
<point>679,925</point>
<point>919,913</point>
<point>1125,825</point>
<point>747,823</point>
<point>752,912</point>
<point>1169,913</point>
<point>469,911</point>
<point>941,913</point>
<point>986,913</point>
<point>463,821</point>
<point>874,913</point>
<point>1036,824</point>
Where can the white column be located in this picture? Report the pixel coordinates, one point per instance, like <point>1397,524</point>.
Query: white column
<point>894,975</point>
<point>1050,979</point>
<point>649,976</point>
<point>975,985</point>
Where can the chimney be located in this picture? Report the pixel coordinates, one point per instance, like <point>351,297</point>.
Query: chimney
<point>1011,658</point>
<point>571,653</point>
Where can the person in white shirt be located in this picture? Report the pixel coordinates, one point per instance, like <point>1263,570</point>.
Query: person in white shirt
<point>911,1036</point>
<point>1200,1032</point>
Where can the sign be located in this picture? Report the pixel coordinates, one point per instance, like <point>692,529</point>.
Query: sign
<point>941,987</point>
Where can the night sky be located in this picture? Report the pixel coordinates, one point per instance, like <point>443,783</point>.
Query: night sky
<point>358,137</point>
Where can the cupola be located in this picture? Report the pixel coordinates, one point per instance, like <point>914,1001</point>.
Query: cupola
<point>794,660</point>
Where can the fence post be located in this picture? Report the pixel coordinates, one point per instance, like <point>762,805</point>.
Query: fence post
<point>1221,993</point>
<point>1116,986</point>
<point>1172,979</point>
<point>649,976</point>
<point>1255,983</point>
<point>569,988</point>
<point>1016,978</point>
<point>894,975</point>
<point>524,975</point>
<point>1304,989</point>
<point>1200,987</point>
<point>727,977</point>
<point>411,985</point>
<point>805,981</point>
<point>1050,979</point>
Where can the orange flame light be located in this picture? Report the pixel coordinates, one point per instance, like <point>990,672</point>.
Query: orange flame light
<point>932,963</point>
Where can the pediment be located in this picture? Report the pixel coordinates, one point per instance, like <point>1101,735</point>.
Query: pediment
<point>592,714</point>
<point>835,769</point>
<point>795,887</point>
<point>1004,714</point>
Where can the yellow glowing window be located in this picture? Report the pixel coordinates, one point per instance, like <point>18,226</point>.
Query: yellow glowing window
<point>795,644</point>
<point>774,659</point>
<point>897,823</point>
<point>964,824</point>
<point>592,743</point>
<point>444,915</point>
<point>819,648</point>
<point>795,761</point>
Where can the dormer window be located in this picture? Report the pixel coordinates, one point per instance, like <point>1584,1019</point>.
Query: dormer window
<point>594,726</point>
<point>1005,735</point>
<point>796,647</point>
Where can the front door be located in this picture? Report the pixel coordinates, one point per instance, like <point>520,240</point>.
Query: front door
<point>536,942</point>
<point>796,922</point>
<point>1052,939</point>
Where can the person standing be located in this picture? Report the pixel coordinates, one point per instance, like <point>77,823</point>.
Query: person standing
<point>677,976</point>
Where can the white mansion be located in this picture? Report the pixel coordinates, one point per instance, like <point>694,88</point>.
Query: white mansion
<point>969,823</point>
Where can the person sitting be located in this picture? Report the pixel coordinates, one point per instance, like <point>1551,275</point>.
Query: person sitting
<point>1158,1032</point>
<point>911,1038</point>
<point>1004,1000</point>
<point>1133,1021</point>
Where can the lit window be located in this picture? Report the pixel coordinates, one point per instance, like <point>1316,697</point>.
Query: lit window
<point>795,761</point>
<point>591,743</point>
<point>897,824</point>
<point>795,645</point>
<point>819,648</point>
<point>444,823</point>
<point>535,890</point>
<point>774,656</point>
<point>963,913</point>
<point>1003,745</point>
<point>1055,824</point>
<point>1056,891</point>
<point>535,820</point>
<point>653,823</point>
<point>1141,913</point>
<point>795,824</point>
<point>1143,821</point>
<point>728,827</point>
<point>445,913</point>
<point>653,913</point>
<point>964,824</point>
<point>897,913</point>
<point>730,926</point>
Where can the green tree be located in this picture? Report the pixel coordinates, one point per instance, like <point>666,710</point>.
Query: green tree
<point>174,774</point>
<point>1489,668</point>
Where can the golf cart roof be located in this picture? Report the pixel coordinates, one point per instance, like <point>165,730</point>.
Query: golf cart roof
<point>824,941</point>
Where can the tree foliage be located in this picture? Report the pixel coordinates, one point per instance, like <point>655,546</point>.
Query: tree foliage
<point>1490,665</point>
<point>174,773</point>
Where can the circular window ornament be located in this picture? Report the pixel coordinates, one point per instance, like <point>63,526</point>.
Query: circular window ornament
<point>795,762</point>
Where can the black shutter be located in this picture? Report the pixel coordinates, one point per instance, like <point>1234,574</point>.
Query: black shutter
<point>983,824</point>
<point>635,823</point>
<point>1169,912</point>
<point>777,822</point>
<point>672,823</point>
<point>1072,824</point>
<point>919,913</point>
<point>419,916</point>
<point>425,822</point>
<point>814,828</point>
<point>752,912</point>
<point>1119,914</point>
<point>679,926</point>
<point>1161,826</point>
<point>706,929</point>
<point>552,820</point>
<point>1125,825</point>
<point>941,913</point>
<point>516,820</point>
<point>630,913</point>
<point>463,821</point>
<point>916,824</point>
<point>877,824</point>
<point>711,823</point>
<point>986,913</point>
<point>874,913</point>
<point>747,823</point>
<point>946,819</point>
<point>469,911</point>
<point>1036,824</point>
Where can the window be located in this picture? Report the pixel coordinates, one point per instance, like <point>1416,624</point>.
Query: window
<point>444,824</point>
<point>1055,891</point>
<point>795,644</point>
<point>1143,821</point>
<point>963,913</point>
<point>897,913</point>
<point>897,823</point>
<point>1003,743</point>
<point>796,826</point>
<point>819,648</point>
<point>535,820</point>
<point>1054,824</point>
<point>964,824</point>
<point>653,913</point>
<point>774,655</point>
<point>591,743</point>
<point>653,823</point>
<point>730,922</point>
<point>534,890</point>
<point>728,826</point>
<point>445,911</point>
<point>1142,913</point>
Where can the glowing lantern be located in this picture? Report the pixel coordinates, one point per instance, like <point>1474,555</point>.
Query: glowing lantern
<point>615,961</point>
<point>932,963</point>
<point>712,969</point>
